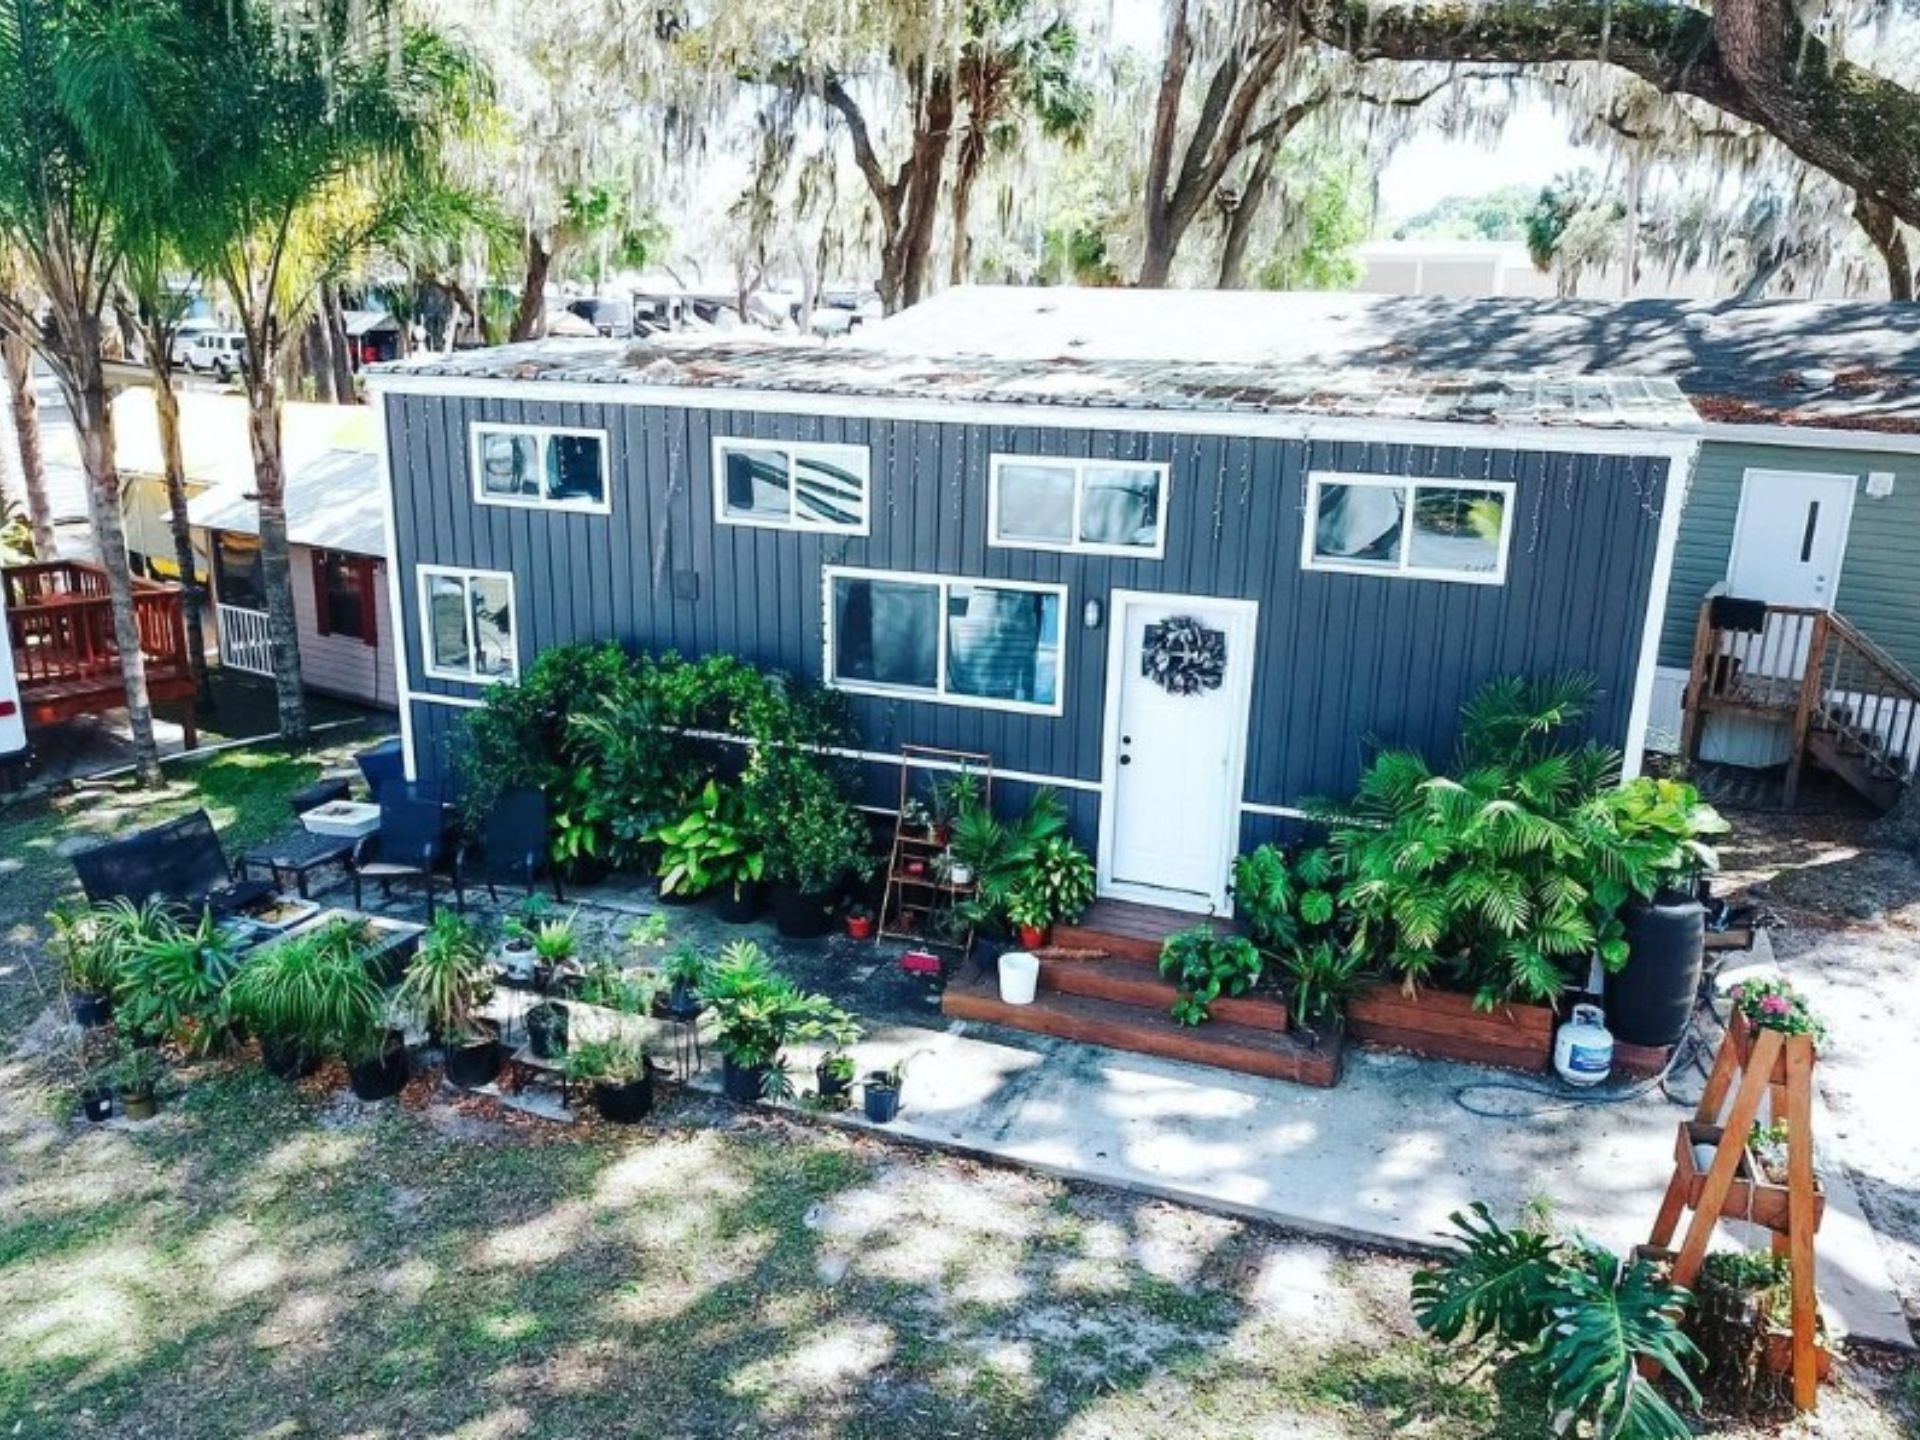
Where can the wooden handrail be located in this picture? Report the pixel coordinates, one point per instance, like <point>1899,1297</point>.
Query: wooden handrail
<point>65,636</point>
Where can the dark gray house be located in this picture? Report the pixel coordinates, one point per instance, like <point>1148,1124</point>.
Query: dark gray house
<point>1190,593</point>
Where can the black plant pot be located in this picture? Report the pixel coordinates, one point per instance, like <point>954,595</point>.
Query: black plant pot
<point>683,1002</point>
<point>738,904</point>
<point>96,1104</point>
<point>547,1030</point>
<point>802,914</point>
<point>1650,1000</point>
<point>89,1009</point>
<point>384,1075</point>
<point>679,896</point>
<point>831,1087</point>
<point>742,1083</point>
<point>473,1063</point>
<point>389,967</point>
<point>624,1104</point>
<point>882,1102</point>
<point>287,1059</point>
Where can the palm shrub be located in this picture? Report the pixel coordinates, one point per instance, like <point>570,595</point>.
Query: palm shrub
<point>1568,1313</point>
<point>449,980</point>
<point>173,978</point>
<point>314,994</point>
<point>1002,853</point>
<point>759,1011</point>
<point>92,942</point>
<point>1205,964</point>
<point>710,846</point>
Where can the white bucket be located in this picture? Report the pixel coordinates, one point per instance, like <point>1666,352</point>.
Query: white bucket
<point>1019,975</point>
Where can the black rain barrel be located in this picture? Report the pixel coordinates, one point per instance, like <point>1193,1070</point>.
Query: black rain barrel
<point>1651,999</point>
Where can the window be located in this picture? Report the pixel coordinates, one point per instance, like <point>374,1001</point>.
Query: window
<point>1422,529</point>
<point>466,624</point>
<point>343,596</point>
<point>790,485</point>
<point>540,467</point>
<point>995,644</point>
<point>1101,507</point>
<point>237,576</point>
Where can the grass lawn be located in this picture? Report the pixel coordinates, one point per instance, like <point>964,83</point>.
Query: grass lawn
<point>275,1261</point>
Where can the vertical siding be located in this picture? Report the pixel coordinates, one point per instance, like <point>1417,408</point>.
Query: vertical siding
<point>1344,661</point>
<point>1879,579</point>
<point>341,665</point>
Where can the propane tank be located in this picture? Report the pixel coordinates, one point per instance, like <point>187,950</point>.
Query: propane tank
<point>1583,1050</point>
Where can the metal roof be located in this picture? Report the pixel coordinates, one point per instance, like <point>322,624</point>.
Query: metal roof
<point>333,503</point>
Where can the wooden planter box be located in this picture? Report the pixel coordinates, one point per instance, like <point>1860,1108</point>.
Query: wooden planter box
<point>1780,1353</point>
<point>1745,1033</point>
<point>1445,1026</point>
<point>1751,1197</point>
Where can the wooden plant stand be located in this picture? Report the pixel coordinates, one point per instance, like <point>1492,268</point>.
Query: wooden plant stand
<point>914,845</point>
<point>1753,1065</point>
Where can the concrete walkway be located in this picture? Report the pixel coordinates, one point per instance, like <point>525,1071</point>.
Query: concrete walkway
<point>1383,1158</point>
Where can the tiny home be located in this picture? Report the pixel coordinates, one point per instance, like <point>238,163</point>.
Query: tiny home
<point>1170,571</point>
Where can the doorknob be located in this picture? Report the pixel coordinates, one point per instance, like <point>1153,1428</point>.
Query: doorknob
<point>1126,759</point>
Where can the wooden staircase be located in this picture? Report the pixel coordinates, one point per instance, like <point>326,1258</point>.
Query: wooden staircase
<point>1853,709</point>
<point>1100,985</point>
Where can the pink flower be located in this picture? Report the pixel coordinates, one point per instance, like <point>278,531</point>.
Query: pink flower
<point>1776,1005</point>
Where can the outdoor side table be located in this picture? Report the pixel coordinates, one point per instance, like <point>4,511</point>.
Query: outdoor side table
<point>297,853</point>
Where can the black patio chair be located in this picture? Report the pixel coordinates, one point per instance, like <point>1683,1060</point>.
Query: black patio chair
<point>409,845</point>
<point>180,861</point>
<point>515,845</point>
<point>382,765</point>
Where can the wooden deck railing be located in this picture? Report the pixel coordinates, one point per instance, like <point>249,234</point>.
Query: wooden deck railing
<point>60,624</point>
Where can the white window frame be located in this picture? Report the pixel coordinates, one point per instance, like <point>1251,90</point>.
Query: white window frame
<point>1405,569</point>
<point>941,696</point>
<point>544,435</point>
<point>795,449</point>
<point>424,576</point>
<point>1079,466</point>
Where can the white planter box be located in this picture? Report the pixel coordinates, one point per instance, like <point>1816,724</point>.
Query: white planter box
<point>347,819</point>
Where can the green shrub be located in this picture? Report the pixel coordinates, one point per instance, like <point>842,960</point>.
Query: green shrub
<point>710,847</point>
<point>1205,965</point>
<point>173,978</point>
<point>449,980</point>
<point>314,993</point>
<point>758,1011</point>
<point>616,1061</point>
<point>814,840</point>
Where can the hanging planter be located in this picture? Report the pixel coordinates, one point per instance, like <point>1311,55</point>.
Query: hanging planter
<point>1184,657</point>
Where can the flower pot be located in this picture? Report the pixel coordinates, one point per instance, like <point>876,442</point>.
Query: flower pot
<point>1650,1001</point>
<point>680,895</point>
<point>738,904</point>
<point>287,1059</point>
<point>882,1102</point>
<point>802,914</point>
<point>96,1104</point>
<point>683,1002</point>
<point>384,1075</point>
<point>518,963</point>
<point>90,1010</point>
<point>474,1062</point>
<point>547,1030</point>
<point>1019,976</point>
<point>831,1087</point>
<point>1033,937</point>
<point>743,1083</point>
<point>139,1104</point>
<point>860,927</point>
<point>623,1104</point>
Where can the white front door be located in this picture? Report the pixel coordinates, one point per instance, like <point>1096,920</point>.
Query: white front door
<point>1179,681</point>
<point>1788,542</point>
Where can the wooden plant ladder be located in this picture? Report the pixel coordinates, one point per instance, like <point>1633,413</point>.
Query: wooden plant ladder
<point>926,892</point>
<point>1754,1064</point>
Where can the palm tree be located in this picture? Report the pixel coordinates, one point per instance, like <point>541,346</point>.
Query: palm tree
<point>16,357</point>
<point>80,138</point>
<point>307,131</point>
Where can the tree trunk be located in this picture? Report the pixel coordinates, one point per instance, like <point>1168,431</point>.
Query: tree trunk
<point>1240,220</point>
<point>276,569</point>
<point>93,428</point>
<point>339,346</point>
<point>973,154</point>
<point>925,172</point>
<point>533,291</point>
<point>18,355</point>
<point>1883,231</point>
<point>166,410</point>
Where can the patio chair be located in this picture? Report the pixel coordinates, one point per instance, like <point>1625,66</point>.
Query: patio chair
<point>179,861</point>
<point>515,845</point>
<point>382,764</point>
<point>409,845</point>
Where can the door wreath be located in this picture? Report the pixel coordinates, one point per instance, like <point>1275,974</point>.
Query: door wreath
<point>1184,657</point>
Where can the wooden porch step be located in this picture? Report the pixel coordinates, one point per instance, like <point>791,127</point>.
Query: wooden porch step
<point>1092,1021</point>
<point>1137,983</point>
<point>1129,931</point>
<point>1882,790</point>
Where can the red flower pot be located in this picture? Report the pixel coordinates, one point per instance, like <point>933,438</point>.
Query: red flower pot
<point>1032,937</point>
<point>860,927</point>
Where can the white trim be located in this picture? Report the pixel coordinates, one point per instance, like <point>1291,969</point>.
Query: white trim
<point>1557,439</point>
<point>1118,601</point>
<point>1673,504</point>
<point>1404,568</point>
<point>466,575</point>
<point>997,461</point>
<point>1278,812</point>
<point>396,599</point>
<point>1765,474</point>
<point>794,449</point>
<point>830,573</point>
<point>457,702</point>
<point>544,435</point>
<point>1808,437</point>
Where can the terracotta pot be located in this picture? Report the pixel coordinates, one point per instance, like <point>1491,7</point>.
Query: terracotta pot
<point>860,927</point>
<point>1034,937</point>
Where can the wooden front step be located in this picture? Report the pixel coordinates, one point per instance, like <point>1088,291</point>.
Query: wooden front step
<point>1138,983</point>
<point>1129,931</point>
<point>1093,1021</point>
<point>1853,768</point>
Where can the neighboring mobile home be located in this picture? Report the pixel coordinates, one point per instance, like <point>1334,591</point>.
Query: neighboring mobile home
<point>1188,593</point>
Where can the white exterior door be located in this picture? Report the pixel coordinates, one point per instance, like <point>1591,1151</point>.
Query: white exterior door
<point>1788,542</point>
<point>1176,738</point>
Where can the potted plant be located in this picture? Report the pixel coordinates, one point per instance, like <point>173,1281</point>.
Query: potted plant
<point>1056,884</point>
<point>711,848</point>
<point>1204,965</point>
<point>881,1093</point>
<point>96,1096</point>
<point>620,1076</point>
<point>516,956</point>
<point>758,1013</point>
<point>448,983</point>
<point>311,995</point>
<point>547,1029</point>
<point>173,979</point>
<point>88,941</point>
<point>834,1075</point>
<point>948,796</point>
<point>820,844</point>
<point>860,922</point>
<point>136,1072</point>
<point>686,973</point>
